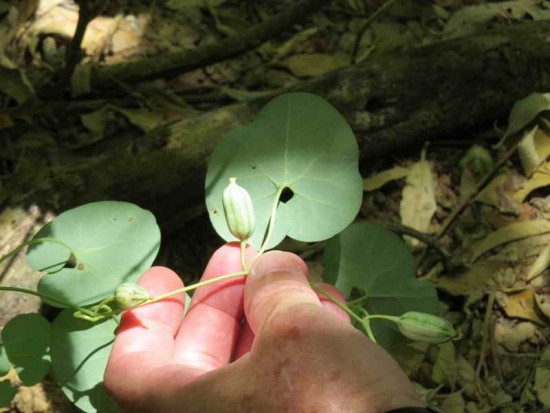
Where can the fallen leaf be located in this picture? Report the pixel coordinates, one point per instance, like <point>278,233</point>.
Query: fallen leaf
<point>543,303</point>
<point>445,367</point>
<point>511,335</point>
<point>527,152</point>
<point>380,179</point>
<point>410,355</point>
<point>542,378</point>
<point>418,203</point>
<point>509,233</point>
<point>314,64</point>
<point>141,118</point>
<point>453,403</point>
<point>539,179</point>
<point>477,278</point>
<point>520,305</point>
<point>541,263</point>
<point>525,111</point>
<point>15,84</point>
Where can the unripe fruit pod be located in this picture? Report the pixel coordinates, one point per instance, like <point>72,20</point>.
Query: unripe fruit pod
<point>238,210</point>
<point>129,295</point>
<point>425,327</point>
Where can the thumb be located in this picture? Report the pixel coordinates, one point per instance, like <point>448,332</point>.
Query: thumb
<point>277,284</point>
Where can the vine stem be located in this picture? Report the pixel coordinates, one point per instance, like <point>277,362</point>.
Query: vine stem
<point>197,285</point>
<point>243,255</point>
<point>45,298</point>
<point>36,241</point>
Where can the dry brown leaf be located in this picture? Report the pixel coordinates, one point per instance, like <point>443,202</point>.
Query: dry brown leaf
<point>314,64</point>
<point>418,203</point>
<point>380,179</point>
<point>520,305</point>
<point>477,279</point>
<point>509,233</point>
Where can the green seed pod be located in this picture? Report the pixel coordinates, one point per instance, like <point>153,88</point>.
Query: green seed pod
<point>129,295</point>
<point>425,327</point>
<point>238,210</point>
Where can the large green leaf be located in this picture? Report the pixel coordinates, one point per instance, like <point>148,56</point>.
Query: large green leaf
<point>300,142</point>
<point>80,351</point>
<point>27,341</point>
<point>7,393</point>
<point>114,242</point>
<point>5,364</point>
<point>369,257</point>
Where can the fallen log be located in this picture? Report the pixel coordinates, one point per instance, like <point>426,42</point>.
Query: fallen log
<point>391,101</point>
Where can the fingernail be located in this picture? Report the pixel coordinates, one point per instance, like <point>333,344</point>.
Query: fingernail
<point>276,261</point>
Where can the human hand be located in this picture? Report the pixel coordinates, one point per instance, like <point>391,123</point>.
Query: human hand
<point>297,352</point>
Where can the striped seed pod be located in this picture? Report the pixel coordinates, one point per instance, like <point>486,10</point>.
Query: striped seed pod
<point>425,327</point>
<point>129,295</point>
<point>238,210</point>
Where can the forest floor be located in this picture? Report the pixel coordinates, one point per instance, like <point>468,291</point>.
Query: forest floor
<point>489,261</point>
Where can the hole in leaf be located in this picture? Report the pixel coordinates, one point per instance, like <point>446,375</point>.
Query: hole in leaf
<point>286,195</point>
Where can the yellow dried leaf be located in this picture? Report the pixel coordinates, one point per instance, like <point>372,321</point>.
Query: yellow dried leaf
<point>314,64</point>
<point>418,198</point>
<point>521,305</point>
<point>477,279</point>
<point>511,232</point>
<point>540,264</point>
<point>539,179</point>
<point>380,179</point>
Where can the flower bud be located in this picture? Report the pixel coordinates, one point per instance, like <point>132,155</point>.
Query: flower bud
<point>425,327</point>
<point>129,295</point>
<point>238,210</point>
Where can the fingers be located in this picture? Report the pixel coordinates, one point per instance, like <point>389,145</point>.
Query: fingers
<point>145,337</point>
<point>277,283</point>
<point>209,332</point>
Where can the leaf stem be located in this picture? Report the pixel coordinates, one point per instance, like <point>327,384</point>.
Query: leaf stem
<point>36,241</point>
<point>243,256</point>
<point>271,224</point>
<point>336,301</point>
<point>197,285</point>
<point>44,298</point>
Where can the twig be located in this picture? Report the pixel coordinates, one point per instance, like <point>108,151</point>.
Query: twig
<point>479,187</point>
<point>486,332</point>
<point>87,11</point>
<point>367,24</point>
<point>421,236</point>
<point>182,62</point>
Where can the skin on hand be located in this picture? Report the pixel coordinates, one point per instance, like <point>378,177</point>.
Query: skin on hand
<point>296,351</point>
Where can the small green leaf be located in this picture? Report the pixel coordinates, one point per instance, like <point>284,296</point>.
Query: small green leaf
<point>526,110</point>
<point>300,142</point>
<point>369,257</point>
<point>80,351</point>
<point>27,341</point>
<point>114,242</point>
<point>5,364</point>
<point>7,393</point>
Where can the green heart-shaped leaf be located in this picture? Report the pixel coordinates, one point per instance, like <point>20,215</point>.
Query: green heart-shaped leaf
<point>300,142</point>
<point>27,341</point>
<point>369,257</point>
<point>80,351</point>
<point>5,364</point>
<point>7,393</point>
<point>114,242</point>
